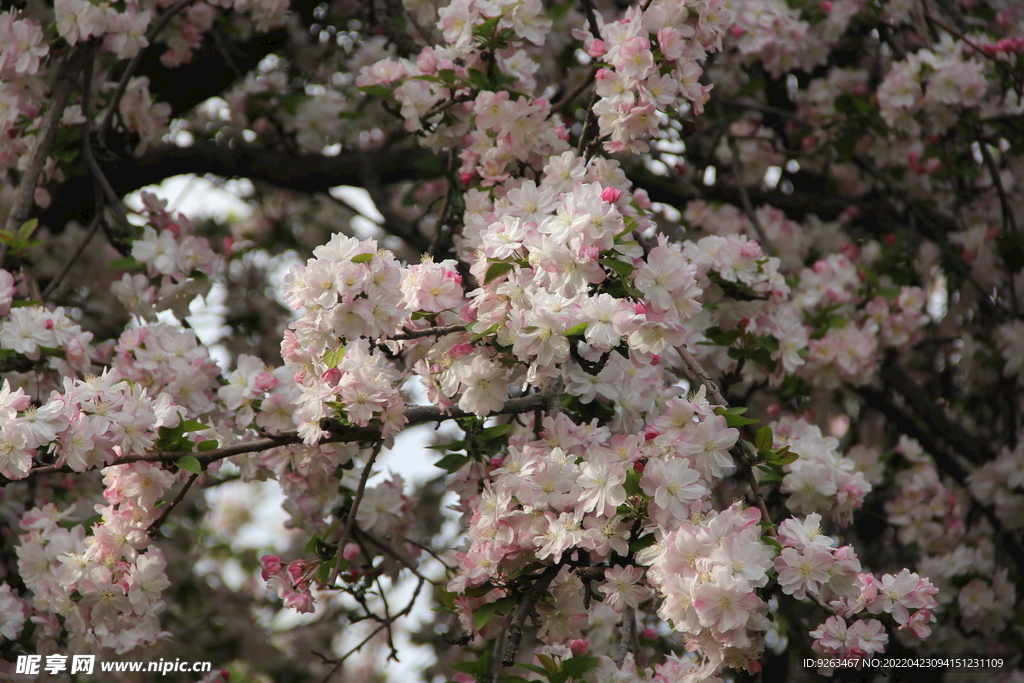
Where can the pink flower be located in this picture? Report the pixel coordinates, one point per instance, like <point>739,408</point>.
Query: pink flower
<point>802,572</point>
<point>621,587</point>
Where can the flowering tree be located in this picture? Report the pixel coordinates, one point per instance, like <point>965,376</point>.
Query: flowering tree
<point>719,302</point>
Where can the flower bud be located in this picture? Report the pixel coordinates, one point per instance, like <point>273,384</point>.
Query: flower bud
<point>611,194</point>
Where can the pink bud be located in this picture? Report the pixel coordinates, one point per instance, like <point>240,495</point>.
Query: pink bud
<point>48,324</point>
<point>602,74</point>
<point>579,647</point>
<point>460,350</point>
<point>890,239</point>
<point>651,432</point>
<point>174,229</point>
<point>649,634</point>
<point>465,177</point>
<point>332,376</point>
<point>639,308</point>
<point>808,142</point>
<point>655,359</point>
<point>597,49</point>
<point>41,197</point>
<point>266,382</point>
<point>826,6</point>
<point>737,31</point>
<point>849,250</point>
<point>611,194</point>
<point>774,410</point>
<point>271,565</point>
<point>453,275</point>
<point>932,164</point>
<point>351,551</point>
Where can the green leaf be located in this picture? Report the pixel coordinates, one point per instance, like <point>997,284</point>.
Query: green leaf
<point>764,439</point>
<point>733,420</point>
<point>362,258</point>
<point>486,333</point>
<point>208,445</point>
<point>486,28</point>
<point>192,426</point>
<point>576,330</point>
<point>447,76</point>
<point>642,542</point>
<point>479,591</point>
<point>577,666</point>
<point>483,614</point>
<point>376,91</point>
<point>311,545</point>
<point>125,263</point>
<point>548,663</point>
<point>785,457</point>
<point>333,357</point>
<point>772,542</point>
<point>324,572</point>
<point>632,484</point>
<point>623,269</point>
<point>532,667</point>
<point>27,228</point>
<point>514,679</point>
<point>496,431</point>
<point>479,79</point>
<point>190,464</point>
<point>496,270</point>
<point>452,462</point>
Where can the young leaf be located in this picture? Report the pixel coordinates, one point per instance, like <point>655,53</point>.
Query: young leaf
<point>190,464</point>
<point>496,270</point>
<point>483,614</point>
<point>764,439</point>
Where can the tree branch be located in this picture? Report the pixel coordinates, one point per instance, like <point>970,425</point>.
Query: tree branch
<point>155,526</point>
<point>523,609</point>
<point>339,434</point>
<point>350,519</point>
<point>23,198</point>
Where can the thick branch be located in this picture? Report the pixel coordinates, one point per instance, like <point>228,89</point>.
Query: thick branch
<point>339,433</point>
<point>299,172</point>
<point>523,609</point>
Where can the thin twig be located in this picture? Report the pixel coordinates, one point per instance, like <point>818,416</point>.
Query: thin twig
<point>129,71</point>
<point>23,198</point>
<point>576,91</point>
<point>358,534</point>
<point>350,520</point>
<point>51,288</point>
<point>748,206</point>
<point>409,333</point>
<point>745,464</point>
<point>1009,220</point>
<point>340,660</point>
<point>435,239</point>
<point>155,526</point>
